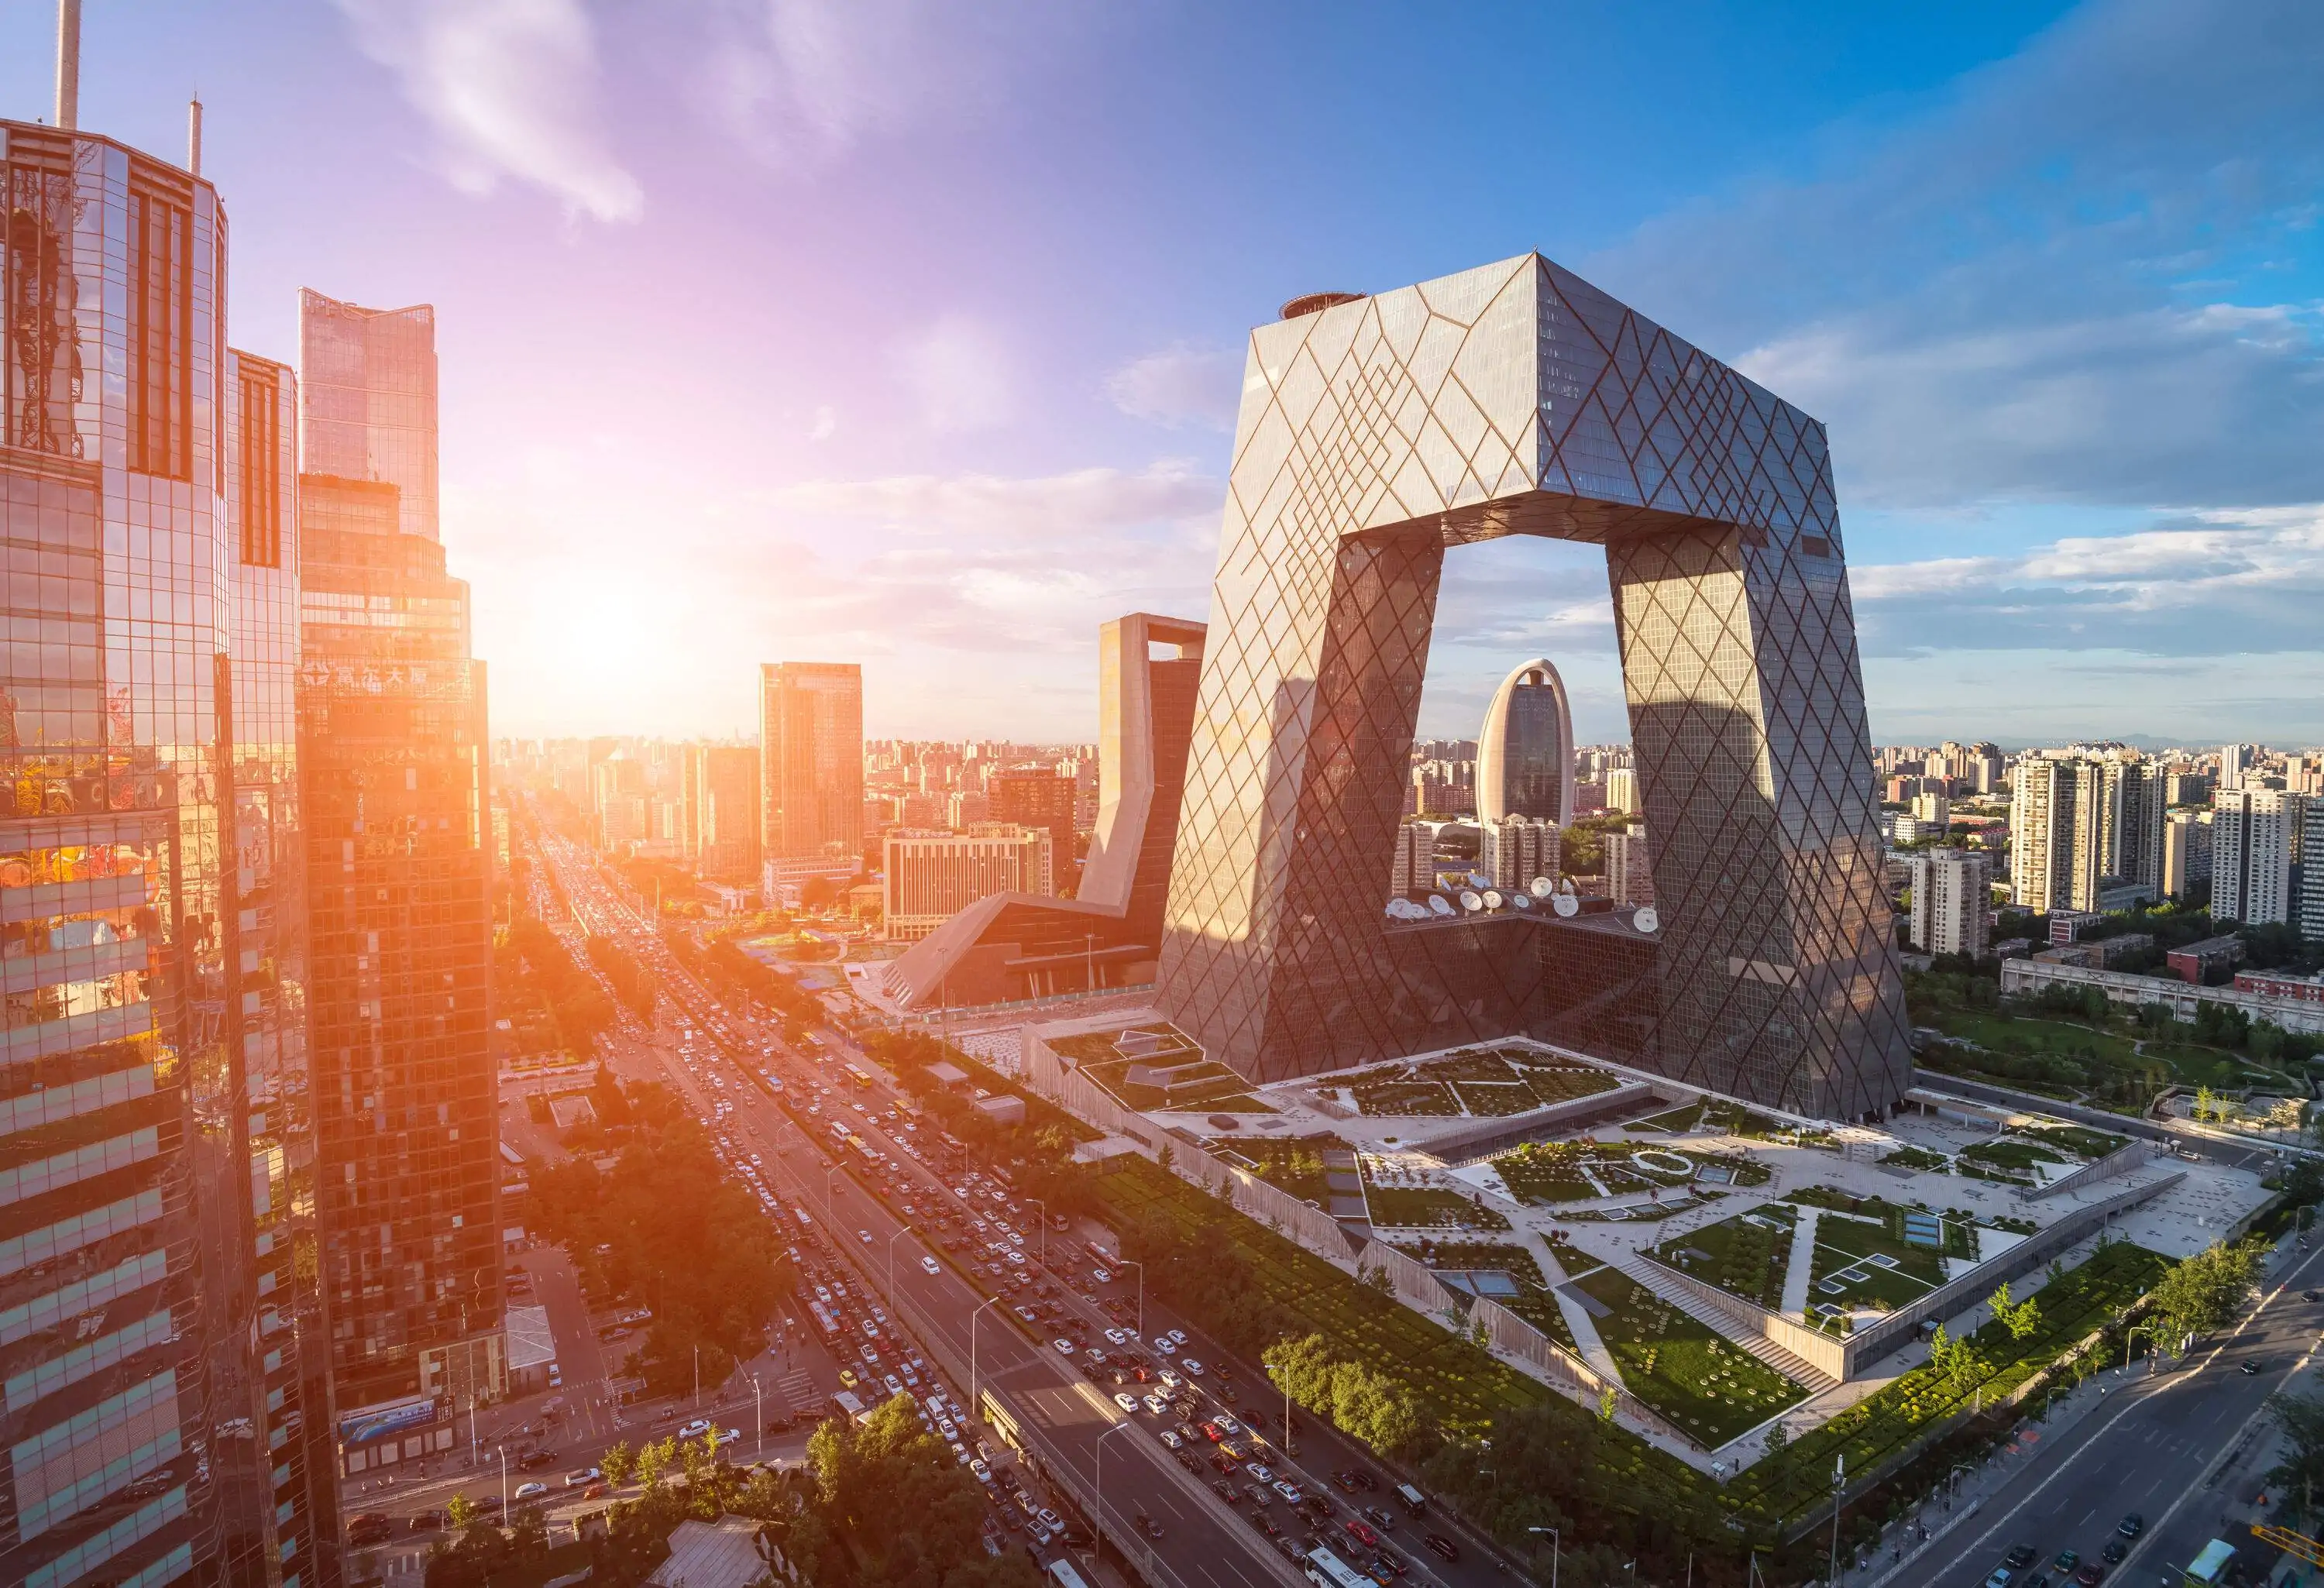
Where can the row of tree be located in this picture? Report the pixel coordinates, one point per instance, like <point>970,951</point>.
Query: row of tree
<point>738,978</point>
<point>532,964</point>
<point>667,1229</point>
<point>632,984</point>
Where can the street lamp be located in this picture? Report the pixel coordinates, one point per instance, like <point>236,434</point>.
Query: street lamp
<point>1555,1540</point>
<point>1097,1483</point>
<point>2134,1328</point>
<point>759,1402</point>
<point>501,1451</point>
<point>891,1258</point>
<point>975,1404</point>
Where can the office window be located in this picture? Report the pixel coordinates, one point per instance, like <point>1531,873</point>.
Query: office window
<point>161,323</point>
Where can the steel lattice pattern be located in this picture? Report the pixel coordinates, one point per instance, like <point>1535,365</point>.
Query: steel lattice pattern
<point>1516,398</point>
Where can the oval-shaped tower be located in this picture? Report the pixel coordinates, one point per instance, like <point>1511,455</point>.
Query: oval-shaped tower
<point>1524,755</point>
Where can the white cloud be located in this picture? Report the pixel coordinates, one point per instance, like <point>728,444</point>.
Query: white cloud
<point>1179,385</point>
<point>804,80</point>
<point>826,424</point>
<point>1085,503</point>
<point>961,371</point>
<point>509,87</point>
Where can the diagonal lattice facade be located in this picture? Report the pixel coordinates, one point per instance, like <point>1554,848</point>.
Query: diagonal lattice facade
<point>1516,399</point>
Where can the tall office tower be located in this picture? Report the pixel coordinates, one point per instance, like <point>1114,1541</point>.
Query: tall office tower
<point>2233,759</point>
<point>1036,797</point>
<point>721,811</point>
<point>1951,893</point>
<point>1629,867</point>
<point>1524,756</point>
<point>617,798</point>
<point>1515,849</point>
<point>811,760</point>
<point>1414,870</point>
<point>1380,435</point>
<point>152,1098</point>
<point>2257,867</point>
<point>927,878</point>
<point>392,744</point>
<point>2186,851</point>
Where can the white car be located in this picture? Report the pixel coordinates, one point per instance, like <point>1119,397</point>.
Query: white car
<point>1164,1345</point>
<point>1177,1336</point>
<point>695,1429</point>
<point>1124,1400</point>
<point>1065,1347</point>
<point>1170,1440</point>
<point>1117,1337</point>
<point>1157,1404</point>
<point>1226,1424</point>
<point>1261,1471</point>
<point>983,1474</point>
<point>1099,1276</point>
<point>1193,1368</point>
<point>1290,1492</point>
<point>1170,1380</point>
<point>929,1264</point>
<point>531,1491</point>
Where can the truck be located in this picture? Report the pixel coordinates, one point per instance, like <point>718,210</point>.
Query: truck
<point>2209,1568</point>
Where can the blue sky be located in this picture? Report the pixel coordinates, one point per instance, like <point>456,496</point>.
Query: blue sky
<point>908,331</point>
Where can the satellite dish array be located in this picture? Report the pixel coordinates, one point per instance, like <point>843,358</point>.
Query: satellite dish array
<point>1481,898</point>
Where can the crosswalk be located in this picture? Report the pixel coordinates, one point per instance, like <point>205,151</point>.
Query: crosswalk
<point>799,1391</point>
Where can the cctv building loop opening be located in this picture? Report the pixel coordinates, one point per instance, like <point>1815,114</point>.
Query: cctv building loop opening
<point>1376,435</point>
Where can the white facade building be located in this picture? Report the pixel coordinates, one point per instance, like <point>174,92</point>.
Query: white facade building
<point>2255,842</point>
<point>1951,890</point>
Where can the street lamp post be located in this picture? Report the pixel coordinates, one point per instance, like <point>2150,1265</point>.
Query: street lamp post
<point>2127,1339</point>
<point>899,1235</point>
<point>697,1378</point>
<point>1554,1541</point>
<point>501,1451</point>
<point>1838,1485</point>
<point>1097,1483</point>
<point>974,1403</point>
<point>759,1402</point>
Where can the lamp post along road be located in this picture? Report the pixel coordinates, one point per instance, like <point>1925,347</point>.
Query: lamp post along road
<point>906,1230</point>
<point>1555,1540</point>
<point>975,1404</point>
<point>1097,1482</point>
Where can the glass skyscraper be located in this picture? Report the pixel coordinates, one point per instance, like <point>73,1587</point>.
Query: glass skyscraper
<point>393,768</point>
<point>155,1124</point>
<point>811,760</point>
<point>1524,755</point>
<point>1376,434</point>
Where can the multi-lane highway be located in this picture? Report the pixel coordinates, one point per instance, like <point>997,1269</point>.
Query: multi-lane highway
<point>2151,1449</point>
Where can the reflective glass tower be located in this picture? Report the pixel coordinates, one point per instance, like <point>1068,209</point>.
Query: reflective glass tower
<point>155,1117</point>
<point>811,760</point>
<point>1524,756</point>
<point>1376,434</point>
<point>393,761</point>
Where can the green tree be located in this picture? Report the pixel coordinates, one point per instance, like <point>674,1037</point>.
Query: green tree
<point>653,1461</point>
<point>2204,1292</point>
<point>618,1463</point>
<point>460,1511</point>
<point>2023,1319</point>
<point>2298,1473</point>
<point>1609,1401</point>
<point>1777,1437</point>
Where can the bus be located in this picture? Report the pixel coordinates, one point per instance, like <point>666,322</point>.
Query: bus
<point>859,1074</point>
<point>864,1149</point>
<point>1061,1572</point>
<point>824,1320</point>
<point>1326,1570</point>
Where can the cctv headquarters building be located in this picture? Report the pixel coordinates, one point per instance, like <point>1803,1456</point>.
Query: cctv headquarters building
<point>1379,435</point>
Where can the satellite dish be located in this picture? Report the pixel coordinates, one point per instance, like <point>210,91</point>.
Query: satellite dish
<point>1566,904</point>
<point>1469,900</point>
<point>1493,900</point>
<point>1522,901</point>
<point>1646,920</point>
<point>1439,905</point>
<point>1542,886</point>
<point>1480,880</point>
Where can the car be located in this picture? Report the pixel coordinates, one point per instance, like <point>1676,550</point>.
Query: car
<point>583,1478</point>
<point>695,1429</point>
<point>864,1236</point>
<point>1261,1471</point>
<point>931,1265</point>
<point>2020,1557</point>
<point>1440,1545</point>
<point>1125,1400</point>
<point>2068,1559</point>
<point>983,1474</point>
<point>1170,1379</point>
<point>2092,1574</point>
<point>532,1461</point>
<point>1157,1404</point>
<point>2000,1578</point>
<point>1360,1531</point>
<point>1227,1425</point>
<point>531,1491</point>
<point>2312,1295</point>
<point>1116,1337</point>
<point>1163,1346</point>
<point>1190,1367</point>
<point>596,1492</point>
<point>1170,1440</point>
<point>428,1521</point>
<point>1226,1490</point>
<point>2133,1524</point>
<point>1213,1433</point>
<point>2114,1551</point>
<point>847,1380</point>
<point>1063,1347</point>
<point>1264,1523</point>
<point>1152,1528</point>
<point>1379,1519</point>
<point>1290,1491</point>
<point>1345,1483</point>
<point>730,1435</point>
<point>2248,1368</point>
<point>488,1503</point>
<point>1389,1562</point>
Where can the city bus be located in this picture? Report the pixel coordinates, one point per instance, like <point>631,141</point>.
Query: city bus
<point>1061,1572</point>
<point>823,1320</point>
<point>859,1074</point>
<point>1326,1570</point>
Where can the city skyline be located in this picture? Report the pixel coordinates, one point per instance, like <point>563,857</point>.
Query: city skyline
<point>2066,517</point>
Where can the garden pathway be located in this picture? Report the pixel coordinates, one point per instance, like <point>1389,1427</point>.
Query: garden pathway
<point>1578,1321</point>
<point>1803,1263</point>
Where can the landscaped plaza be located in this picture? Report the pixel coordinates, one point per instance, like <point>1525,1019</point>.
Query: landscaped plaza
<point>1692,1250</point>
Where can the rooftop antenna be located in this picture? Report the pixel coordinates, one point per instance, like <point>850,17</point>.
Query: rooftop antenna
<point>68,64</point>
<point>194,134</point>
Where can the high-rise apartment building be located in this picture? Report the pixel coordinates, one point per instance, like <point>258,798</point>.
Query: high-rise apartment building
<point>2186,851</point>
<point>2233,759</point>
<point>720,811</point>
<point>1514,849</point>
<point>1630,866</point>
<point>1036,797</point>
<point>393,765</point>
<point>1951,895</point>
<point>1622,789</point>
<point>2311,892</point>
<point>2085,830</point>
<point>811,760</point>
<point>156,1294</point>
<point>2257,870</point>
<point>927,878</point>
<point>1414,869</point>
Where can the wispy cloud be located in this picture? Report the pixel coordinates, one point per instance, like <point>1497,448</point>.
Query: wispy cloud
<point>1180,385</point>
<point>961,373</point>
<point>800,81</point>
<point>509,87</point>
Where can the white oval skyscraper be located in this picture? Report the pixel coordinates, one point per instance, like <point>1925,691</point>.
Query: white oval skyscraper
<point>1524,756</point>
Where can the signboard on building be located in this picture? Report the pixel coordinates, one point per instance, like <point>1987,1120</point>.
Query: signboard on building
<point>388,1418</point>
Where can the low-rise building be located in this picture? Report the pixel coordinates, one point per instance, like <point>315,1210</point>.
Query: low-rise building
<point>2268,984</point>
<point>2196,963</point>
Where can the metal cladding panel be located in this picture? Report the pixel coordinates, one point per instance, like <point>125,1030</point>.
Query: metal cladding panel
<point>1516,399</point>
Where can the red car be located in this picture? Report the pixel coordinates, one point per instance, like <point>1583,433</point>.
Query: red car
<point>1213,1433</point>
<point>1361,1532</point>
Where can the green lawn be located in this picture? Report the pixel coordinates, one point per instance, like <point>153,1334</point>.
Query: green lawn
<point>1746,1255</point>
<point>1295,1167</point>
<point>2078,1140</point>
<point>1916,1158</point>
<point>1675,1121</point>
<point>1493,1099</point>
<point>2015,1155</point>
<point>1533,1302</point>
<point>1423,1207</point>
<point>1392,1099</point>
<point>1783,1487</point>
<point>1546,1171</point>
<point>1701,1382</point>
